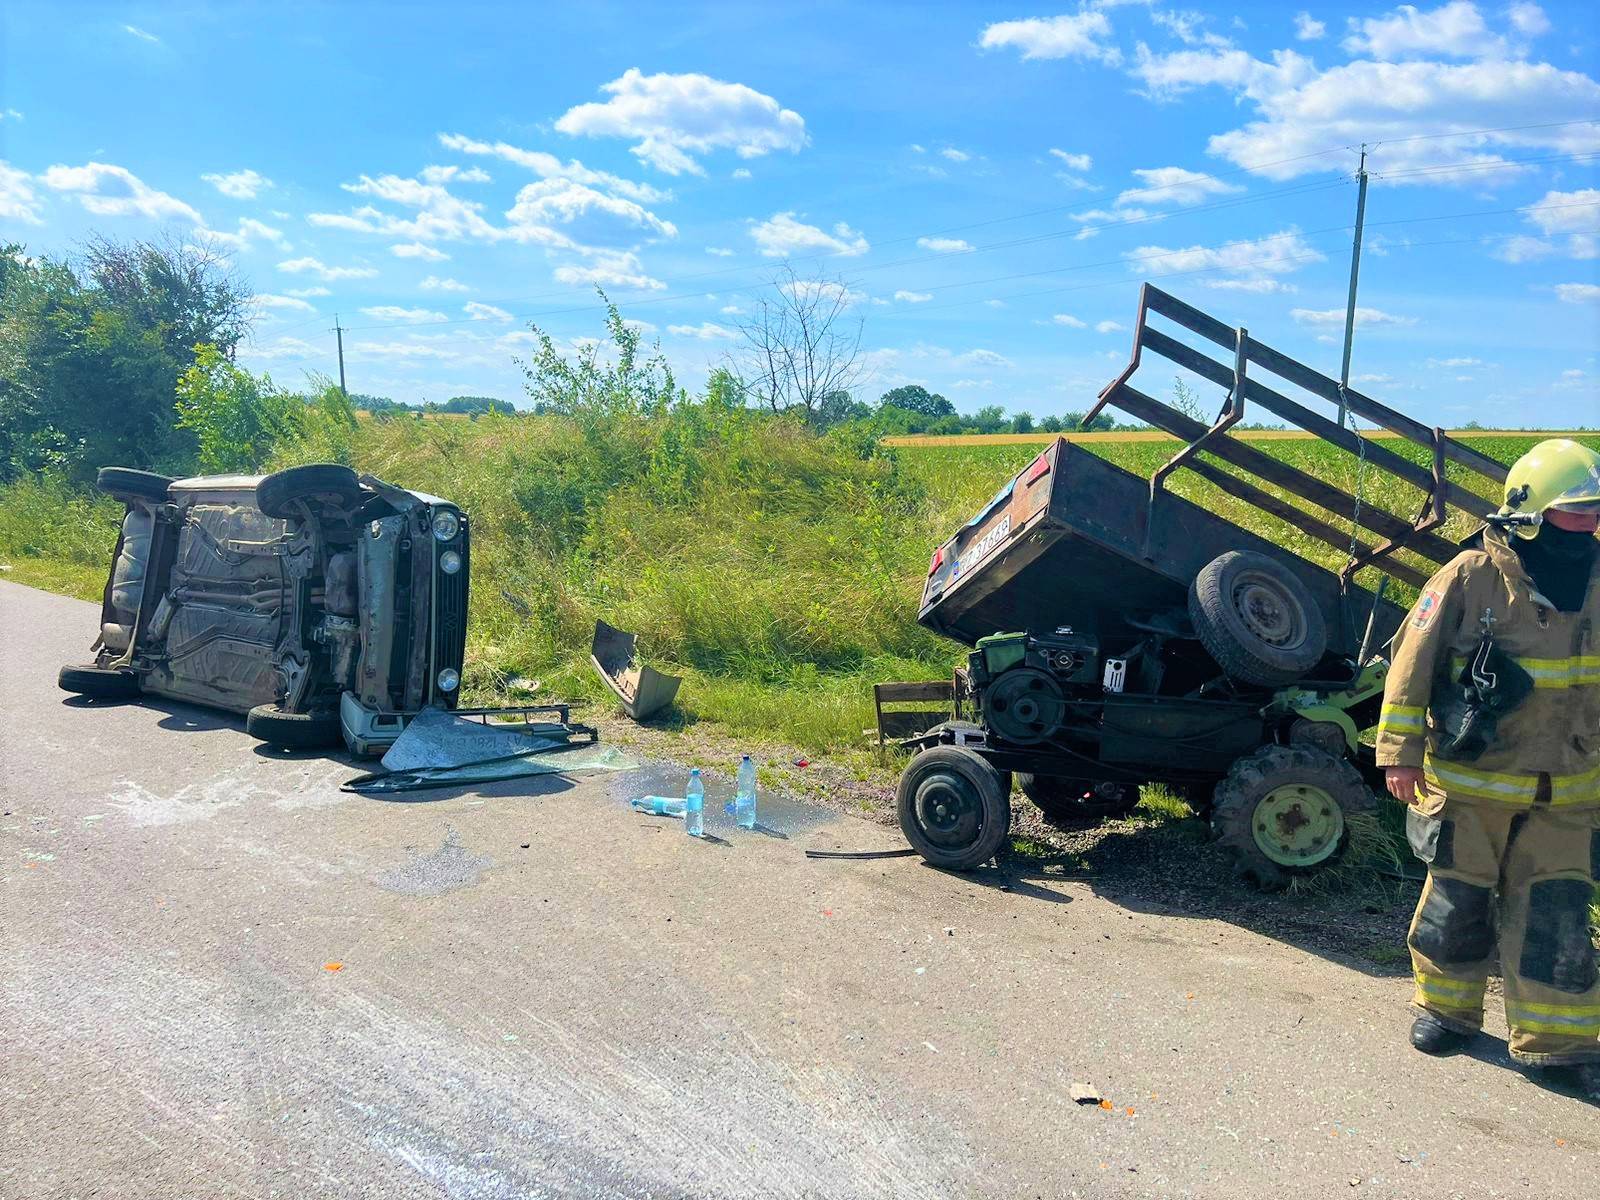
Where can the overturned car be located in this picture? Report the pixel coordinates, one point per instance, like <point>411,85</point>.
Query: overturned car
<point>321,604</point>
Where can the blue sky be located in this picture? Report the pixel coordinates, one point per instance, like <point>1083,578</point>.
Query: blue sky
<point>989,183</point>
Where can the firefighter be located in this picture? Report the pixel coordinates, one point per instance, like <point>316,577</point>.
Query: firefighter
<point>1490,732</point>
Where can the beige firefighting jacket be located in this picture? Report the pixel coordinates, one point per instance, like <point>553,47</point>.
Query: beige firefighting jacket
<point>1555,731</point>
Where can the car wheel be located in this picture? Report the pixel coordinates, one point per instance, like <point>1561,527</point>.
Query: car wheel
<point>1257,619</point>
<point>292,730</point>
<point>1284,811</point>
<point>954,808</point>
<point>1067,799</point>
<point>101,683</point>
<point>125,484</point>
<point>277,493</point>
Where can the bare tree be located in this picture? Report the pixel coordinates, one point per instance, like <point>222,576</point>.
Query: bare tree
<point>800,346</point>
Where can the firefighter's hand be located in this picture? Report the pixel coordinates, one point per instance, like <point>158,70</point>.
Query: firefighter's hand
<point>1405,783</point>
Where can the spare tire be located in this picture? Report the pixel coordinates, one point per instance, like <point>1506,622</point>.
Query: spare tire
<point>99,683</point>
<point>277,493</point>
<point>292,730</point>
<point>125,484</point>
<point>1259,622</point>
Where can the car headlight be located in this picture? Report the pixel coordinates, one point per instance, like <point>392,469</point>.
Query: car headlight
<point>450,562</point>
<point>448,679</point>
<point>446,524</point>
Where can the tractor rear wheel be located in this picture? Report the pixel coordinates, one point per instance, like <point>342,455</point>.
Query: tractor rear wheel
<point>1285,811</point>
<point>954,808</point>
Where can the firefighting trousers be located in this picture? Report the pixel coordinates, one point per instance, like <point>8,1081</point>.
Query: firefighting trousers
<point>1514,884</point>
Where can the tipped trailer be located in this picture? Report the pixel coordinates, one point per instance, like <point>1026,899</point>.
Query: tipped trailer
<point>1122,634</point>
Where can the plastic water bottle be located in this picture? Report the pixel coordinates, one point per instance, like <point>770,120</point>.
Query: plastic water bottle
<point>744,796</point>
<point>660,806</point>
<point>694,805</point>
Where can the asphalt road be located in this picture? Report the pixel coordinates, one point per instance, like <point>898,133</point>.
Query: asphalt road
<point>617,1010</point>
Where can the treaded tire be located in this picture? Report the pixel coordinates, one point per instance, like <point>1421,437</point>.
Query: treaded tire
<point>1256,776</point>
<point>1062,798</point>
<point>100,683</point>
<point>1257,619</point>
<point>954,808</point>
<point>293,731</point>
<point>276,493</point>
<point>125,483</point>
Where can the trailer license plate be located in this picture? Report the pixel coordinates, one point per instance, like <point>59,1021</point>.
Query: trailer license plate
<point>985,545</point>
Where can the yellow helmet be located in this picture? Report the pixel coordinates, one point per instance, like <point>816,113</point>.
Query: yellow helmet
<point>1557,473</point>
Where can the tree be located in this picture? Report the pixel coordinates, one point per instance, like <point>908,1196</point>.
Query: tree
<point>236,418</point>
<point>1022,423</point>
<point>800,345</point>
<point>991,418</point>
<point>915,398</point>
<point>188,295</point>
<point>593,386</point>
<point>1050,424</point>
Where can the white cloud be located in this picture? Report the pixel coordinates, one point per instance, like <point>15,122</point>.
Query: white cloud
<point>283,347</point>
<point>1455,362</point>
<point>1067,319</point>
<point>944,245</point>
<point>316,290</point>
<point>403,350</point>
<point>1373,377</point>
<point>808,289</point>
<point>674,118</point>
<point>548,166</point>
<point>1335,316</point>
<point>249,232</point>
<point>994,303</point>
<point>485,312</point>
<point>1307,28</point>
<point>413,316</point>
<point>1521,248</point>
<point>1174,185</point>
<point>1109,327</point>
<point>906,297</point>
<point>1567,212</point>
<point>563,201</point>
<point>1249,259</point>
<point>1454,30</point>
<point>1075,162</point>
<point>706,331</point>
<point>955,155</point>
<point>18,200</point>
<point>730,310</point>
<point>418,250</point>
<point>740,173</point>
<point>1100,216</point>
<point>609,268</point>
<point>1259,285</point>
<point>142,34</point>
<point>982,358</point>
<point>268,300</point>
<point>313,266</point>
<point>1300,111</point>
<point>783,235</point>
<point>719,251</point>
<point>239,185</point>
<point>434,283</point>
<point>459,174</point>
<point>10,114</point>
<point>1073,35</point>
<point>439,215</point>
<point>1577,293</point>
<point>111,191</point>
<point>1528,19</point>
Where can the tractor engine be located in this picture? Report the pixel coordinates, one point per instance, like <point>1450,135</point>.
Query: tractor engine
<point>1022,683</point>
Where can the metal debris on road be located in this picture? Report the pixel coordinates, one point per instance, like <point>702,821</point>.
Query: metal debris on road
<point>1084,1093</point>
<point>643,690</point>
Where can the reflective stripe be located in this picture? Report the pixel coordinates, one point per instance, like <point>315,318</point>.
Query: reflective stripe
<point>1401,719</point>
<point>1578,671</point>
<point>1565,790</point>
<point>1577,1026</point>
<point>1444,992</point>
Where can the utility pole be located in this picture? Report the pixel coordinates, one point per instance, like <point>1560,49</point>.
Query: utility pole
<point>1355,274</point>
<point>339,332</point>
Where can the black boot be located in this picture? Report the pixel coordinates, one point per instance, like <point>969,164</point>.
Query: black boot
<point>1433,1036</point>
<point>1586,1076</point>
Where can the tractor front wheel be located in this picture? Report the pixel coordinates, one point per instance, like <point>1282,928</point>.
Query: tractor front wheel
<point>954,808</point>
<point>1285,811</point>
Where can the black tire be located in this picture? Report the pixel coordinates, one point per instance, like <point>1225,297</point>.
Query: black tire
<point>125,484</point>
<point>1257,620</point>
<point>276,494</point>
<point>1285,796</point>
<point>291,730</point>
<point>1062,798</point>
<point>954,808</point>
<point>100,683</point>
